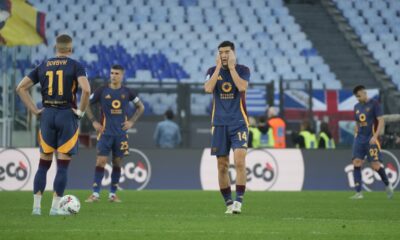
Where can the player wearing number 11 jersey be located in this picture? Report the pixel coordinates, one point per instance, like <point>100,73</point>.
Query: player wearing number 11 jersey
<point>112,137</point>
<point>59,78</point>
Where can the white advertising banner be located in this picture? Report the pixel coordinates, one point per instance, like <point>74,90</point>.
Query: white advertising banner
<point>371,181</point>
<point>18,167</point>
<point>267,170</point>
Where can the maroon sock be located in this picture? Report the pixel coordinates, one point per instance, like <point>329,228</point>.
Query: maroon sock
<point>227,194</point>
<point>240,189</point>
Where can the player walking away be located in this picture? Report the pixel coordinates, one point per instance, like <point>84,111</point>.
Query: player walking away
<point>369,122</point>
<point>112,137</point>
<point>228,81</point>
<point>58,78</point>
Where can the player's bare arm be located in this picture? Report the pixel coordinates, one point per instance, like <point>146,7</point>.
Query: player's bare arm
<point>85,86</point>
<point>131,122</point>
<point>210,84</point>
<point>23,92</point>
<point>355,130</point>
<point>240,83</point>
<point>381,124</point>
<point>96,125</point>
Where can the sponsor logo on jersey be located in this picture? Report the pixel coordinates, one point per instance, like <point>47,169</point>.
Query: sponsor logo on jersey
<point>226,87</point>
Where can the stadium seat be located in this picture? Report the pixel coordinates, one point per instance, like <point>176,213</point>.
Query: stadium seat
<point>187,32</point>
<point>378,28</point>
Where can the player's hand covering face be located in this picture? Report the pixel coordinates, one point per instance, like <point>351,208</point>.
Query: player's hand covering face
<point>218,60</point>
<point>231,59</point>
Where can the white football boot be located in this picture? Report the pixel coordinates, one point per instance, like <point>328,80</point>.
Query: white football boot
<point>58,212</point>
<point>357,196</point>
<point>229,209</point>
<point>389,191</point>
<point>237,207</point>
<point>36,212</point>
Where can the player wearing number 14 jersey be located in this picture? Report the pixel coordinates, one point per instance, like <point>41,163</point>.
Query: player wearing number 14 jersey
<point>369,122</point>
<point>112,137</point>
<point>59,78</point>
<point>228,81</point>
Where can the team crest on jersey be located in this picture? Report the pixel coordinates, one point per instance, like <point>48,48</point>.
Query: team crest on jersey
<point>220,77</point>
<point>226,87</point>
<point>108,96</point>
<point>123,96</point>
<point>367,109</point>
<point>358,111</point>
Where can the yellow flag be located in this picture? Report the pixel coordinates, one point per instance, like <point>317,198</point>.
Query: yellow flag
<point>21,24</point>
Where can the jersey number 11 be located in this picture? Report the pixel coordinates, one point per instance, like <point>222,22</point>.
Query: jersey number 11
<point>50,75</point>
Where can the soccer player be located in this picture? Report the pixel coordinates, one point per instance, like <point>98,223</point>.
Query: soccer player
<point>369,123</point>
<point>112,137</point>
<point>228,81</point>
<point>58,78</point>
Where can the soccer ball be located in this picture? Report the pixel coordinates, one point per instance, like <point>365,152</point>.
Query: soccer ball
<point>70,204</point>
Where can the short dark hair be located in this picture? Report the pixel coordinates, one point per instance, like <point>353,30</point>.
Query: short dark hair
<point>117,67</point>
<point>358,88</point>
<point>169,114</point>
<point>324,127</point>
<point>63,39</point>
<point>306,125</point>
<point>63,43</point>
<point>227,44</point>
<point>262,119</point>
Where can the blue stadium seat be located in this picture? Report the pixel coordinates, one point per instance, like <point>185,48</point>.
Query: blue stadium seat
<point>135,33</point>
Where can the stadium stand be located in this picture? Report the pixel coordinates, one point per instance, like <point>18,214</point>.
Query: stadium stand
<point>377,23</point>
<point>330,42</point>
<point>175,40</point>
<point>180,37</point>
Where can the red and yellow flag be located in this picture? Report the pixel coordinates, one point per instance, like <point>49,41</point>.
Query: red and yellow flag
<point>21,24</point>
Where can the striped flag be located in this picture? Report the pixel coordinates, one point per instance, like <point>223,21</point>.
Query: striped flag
<point>21,24</point>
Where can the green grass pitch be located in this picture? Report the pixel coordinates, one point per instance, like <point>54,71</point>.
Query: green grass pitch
<point>200,215</point>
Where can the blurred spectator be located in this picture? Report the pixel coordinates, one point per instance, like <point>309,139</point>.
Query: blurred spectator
<point>252,128</point>
<point>261,136</point>
<point>278,126</point>
<point>389,118</point>
<point>390,135</point>
<point>167,133</point>
<point>306,137</point>
<point>326,140</point>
